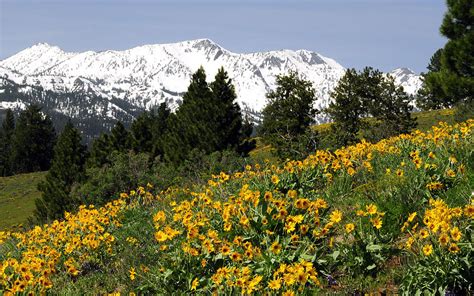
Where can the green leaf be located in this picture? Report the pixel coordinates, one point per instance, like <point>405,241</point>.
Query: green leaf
<point>373,248</point>
<point>370,267</point>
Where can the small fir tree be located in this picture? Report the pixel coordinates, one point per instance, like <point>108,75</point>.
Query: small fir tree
<point>33,141</point>
<point>288,115</point>
<point>451,82</point>
<point>6,135</point>
<point>67,168</point>
<point>347,108</point>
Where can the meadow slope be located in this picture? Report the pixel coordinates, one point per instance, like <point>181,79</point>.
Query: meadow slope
<point>393,216</point>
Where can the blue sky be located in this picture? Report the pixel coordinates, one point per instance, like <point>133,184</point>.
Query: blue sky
<point>385,34</point>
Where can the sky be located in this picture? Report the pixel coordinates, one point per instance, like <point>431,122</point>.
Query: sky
<point>385,34</point>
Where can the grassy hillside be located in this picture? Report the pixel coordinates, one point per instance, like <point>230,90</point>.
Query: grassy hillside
<point>392,217</point>
<point>425,119</point>
<point>17,196</point>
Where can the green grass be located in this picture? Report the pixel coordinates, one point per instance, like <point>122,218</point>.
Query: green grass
<point>425,119</point>
<point>17,198</point>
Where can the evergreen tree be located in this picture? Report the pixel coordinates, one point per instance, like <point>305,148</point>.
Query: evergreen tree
<point>67,168</point>
<point>100,151</point>
<point>227,114</point>
<point>159,129</point>
<point>6,135</point>
<point>141,132</point>
<point>33,141</point>
<point>208,120</point>
<point>347,108</point>
<point>288,115</point>
<point>453,81</point>
<point>120,138</point>
<point>431,95</point>
<point>191,127</point>
<point>393,109</point>
<point>369,93</point>
<point>148,129</point>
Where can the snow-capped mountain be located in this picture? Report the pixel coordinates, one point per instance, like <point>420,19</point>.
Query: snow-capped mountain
<point>405,77</point>
<point>147,75</point>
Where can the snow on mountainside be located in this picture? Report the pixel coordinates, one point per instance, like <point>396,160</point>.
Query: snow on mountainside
<point>147,75</point>
<point>405,77</point>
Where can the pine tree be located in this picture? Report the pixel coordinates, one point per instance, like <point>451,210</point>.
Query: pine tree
<point>369,93</point>
<point>67,168</point>
<point>141,132</point>
<point>100,151</point>
<point>227,114</point>
<point>159,129</point>
<point>453,82</point>
<point>6,135</point>
<point>288,115</point>
<point>393,109</point>
<point>431,95</point>
<point>209,120</point>
<point>347,108</point>
<point>33,141</point>
<point>120,138</point>
<point>190,127</point>
<point>148,129</point>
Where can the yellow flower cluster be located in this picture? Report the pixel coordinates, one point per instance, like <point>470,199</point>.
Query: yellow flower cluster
<point>58,247</point>
<point>374,215</point>
<point>296,275</point>
<point>441,225</point>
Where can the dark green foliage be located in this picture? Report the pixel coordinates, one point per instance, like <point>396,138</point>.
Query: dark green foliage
<point>189,126</point>
<point>142,136</point>
<point>120,139</point>
<point>347,108</point>
<point>369,93</point>
<point>392,109</point>
<point>451,81</point>
<point>124,172</point>
<point>227,116</point>
<point>159,129</point>
<point>148,129</point>
<point>67,169</point>
<point>6,135</point>
<point>33,141</point>
<point>288,115</point>
<point>208,120</point>
<point>100,151</point>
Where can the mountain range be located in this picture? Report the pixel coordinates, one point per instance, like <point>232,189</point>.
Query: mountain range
<point>96,89</point>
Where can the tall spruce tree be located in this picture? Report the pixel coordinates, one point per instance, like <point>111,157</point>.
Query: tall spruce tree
<point>369,93</point>
<point>431,95</point>
<point>148,129</point>
<point>142,132</point>
<point>189,126</point>
<point>288,115</point>
<point>347,108</point>
<point>159,129</point>
<point>393,109</point>
<point>33,141</point>
<point>453,82</point>
<point>67,168</point>
<point>6,135</point>
<point>208,120</point>
<point>227,114</point>
<point>100,151</point>
<point>120,139</point>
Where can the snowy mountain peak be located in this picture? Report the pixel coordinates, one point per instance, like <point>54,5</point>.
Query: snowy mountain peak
<point>407,78</point>
<point>147,75</point>
<point>402,71</point>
